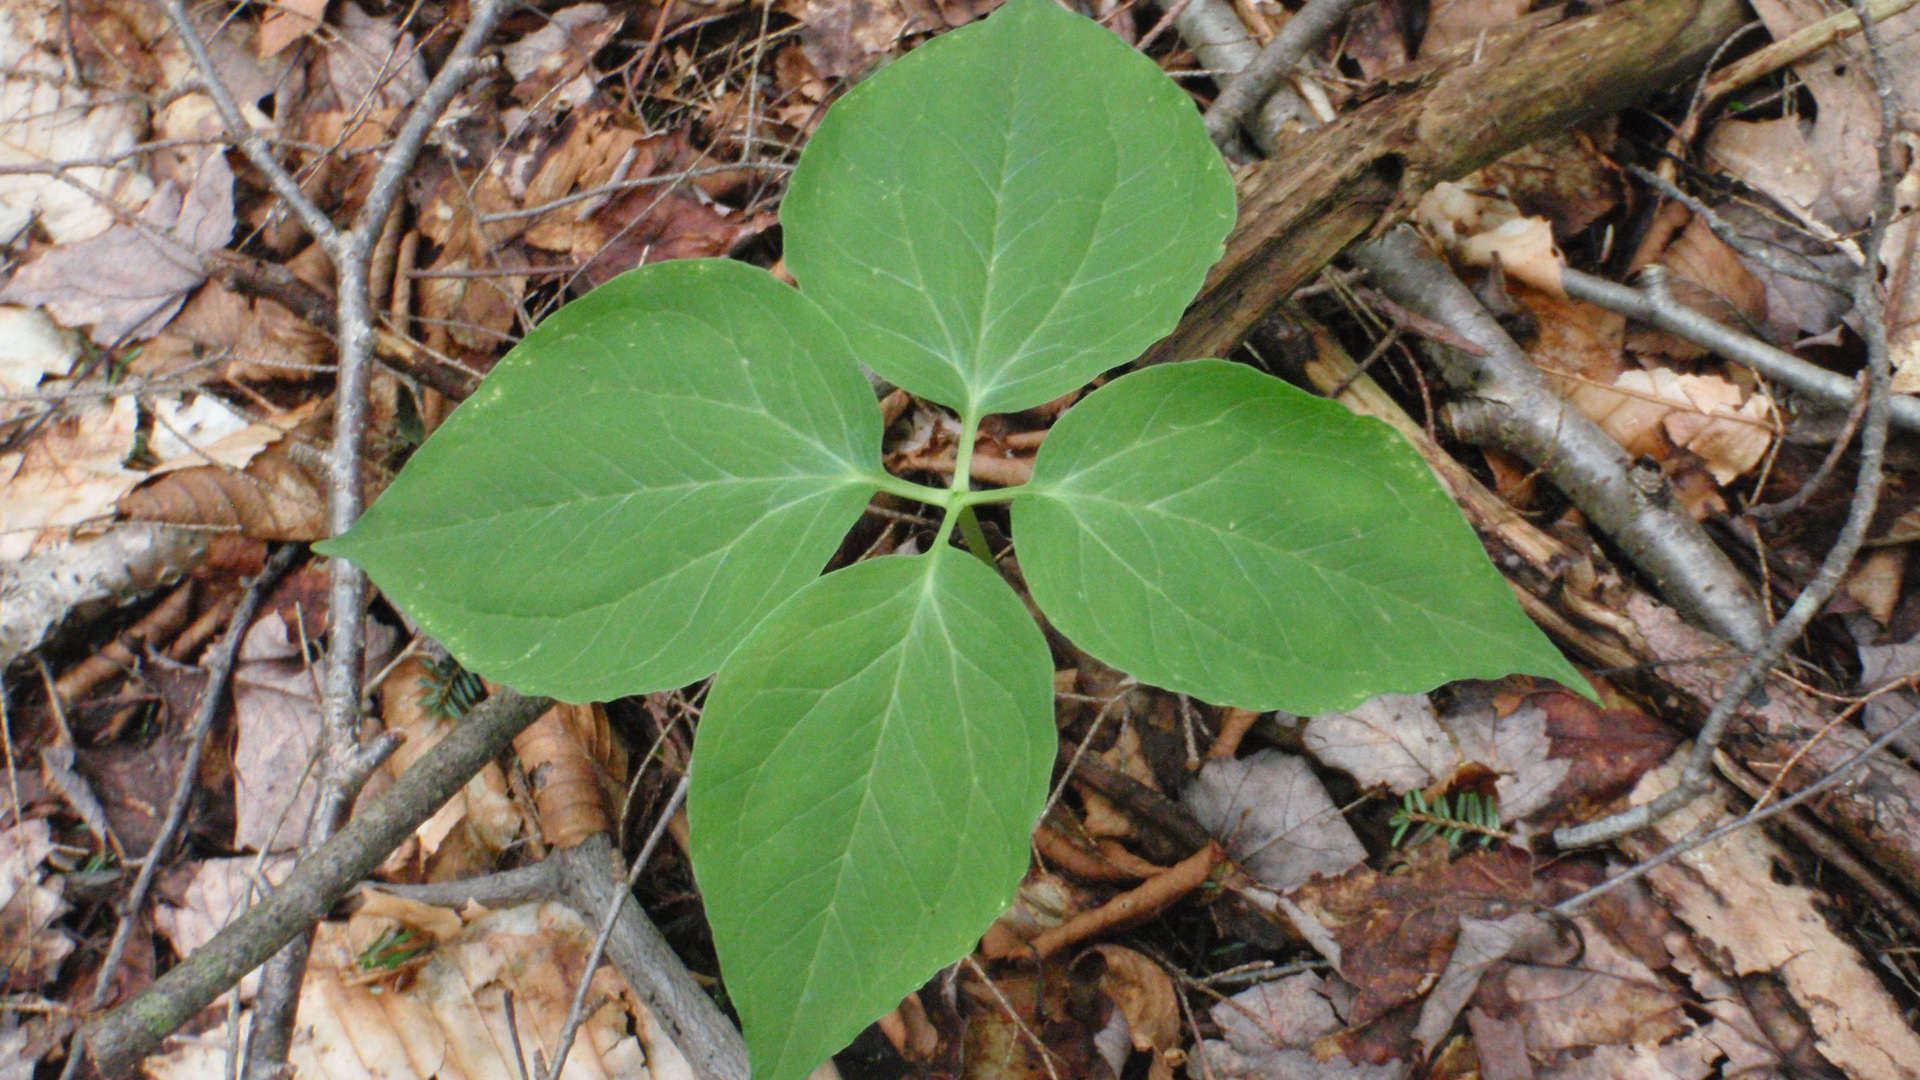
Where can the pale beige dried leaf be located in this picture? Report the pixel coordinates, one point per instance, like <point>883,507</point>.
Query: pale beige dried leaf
<point>1526,250</point>
<point>1770,156</point>
<point>31,947</point>
<point>1516,748</point>
<point>1901,252</point>
<point>198,900</point>
<point>69,474</point>
<point>1701,413</point>
<point>44,118</point>
<point>129,280</point>
<point>1875,584</point>
<point>72,472</point>
<point>1727,893</point>
<point>32,347</point>
<point>286,22</point>
<point>1395,740</point>
<point>482,818</point>
<point>1274,818</point>
<point>1270,1031</point>
<point>371,63</point>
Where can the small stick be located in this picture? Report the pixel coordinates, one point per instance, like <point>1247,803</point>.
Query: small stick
<point>219,671</point>
<point>1256,82</point>
<point>121,1038</point>
<point>1134,906</point>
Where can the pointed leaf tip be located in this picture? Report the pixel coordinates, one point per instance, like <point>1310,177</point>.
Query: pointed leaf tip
<point>1212,530</point>
<point>639,481</point>
<point>867,773</point>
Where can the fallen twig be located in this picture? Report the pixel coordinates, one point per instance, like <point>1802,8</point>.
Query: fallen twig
<point>1652,303</point>
<point>1255,82</point>
<point>1438,119</point>
<point>121,1038</point>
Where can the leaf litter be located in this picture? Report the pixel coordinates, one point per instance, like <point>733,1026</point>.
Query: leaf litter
<point>579,172</point>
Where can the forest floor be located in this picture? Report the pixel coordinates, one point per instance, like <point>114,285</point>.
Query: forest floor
<point>1215,892</point>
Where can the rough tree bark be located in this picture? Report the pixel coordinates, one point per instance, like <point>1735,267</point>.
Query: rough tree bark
<point>1438,119</point>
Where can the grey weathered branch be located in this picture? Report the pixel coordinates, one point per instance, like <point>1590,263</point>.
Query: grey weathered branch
<point>1512,407</point>
<point>1256,81</point>
<point>1866,496</point>
<point>1652,303</point>
<point>586,877</point>
<point>1437,119</point>
<point>47,589</point>
<point>120,1039</point>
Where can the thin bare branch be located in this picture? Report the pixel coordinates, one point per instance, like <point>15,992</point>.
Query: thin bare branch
<point>252,143</point>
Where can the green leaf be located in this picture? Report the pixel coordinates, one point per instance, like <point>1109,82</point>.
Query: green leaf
<point>1008,210</point>
<point>633,487</point>
<point>867,773</point>
<point>1214,531</point>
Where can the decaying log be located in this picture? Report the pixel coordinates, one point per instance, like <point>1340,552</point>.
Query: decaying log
<point>1438,119</point>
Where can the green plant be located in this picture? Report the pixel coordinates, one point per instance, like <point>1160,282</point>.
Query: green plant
<point>646,489</point>
<point>1455,817</point>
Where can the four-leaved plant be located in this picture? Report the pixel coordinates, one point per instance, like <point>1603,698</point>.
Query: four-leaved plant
<point>647,487</point>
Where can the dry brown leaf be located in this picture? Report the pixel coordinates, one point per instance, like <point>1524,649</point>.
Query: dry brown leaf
<point>1274,817</point>
<point>1144,994</point>
<point>1844,128</point>
<point>129,280</point>
<point>1565,178</point>
<point>1643,410</point>
<point>1875,584</point>
<point>371,64</point>
<point>271,499</point>
<point>553,64</point>
<point>1101,818</point>
<point>276,711</point>
<point>477,824</point>
<point>31,947</point>
<point>286,22</point>
<point>252,340</point>
<point>1707,276</point>
<point>846,38</point>
<point>572,763</point>
<point>1270,1030</point>
<point>1393,739</point>
<point>73,471</point>
<point>1729,894</point>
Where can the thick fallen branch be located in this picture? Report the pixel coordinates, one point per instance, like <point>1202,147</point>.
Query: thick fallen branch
<point>1438,119</point>
<point>1512,407</point>
<point>134,1030</point>
<point>1660,658</point>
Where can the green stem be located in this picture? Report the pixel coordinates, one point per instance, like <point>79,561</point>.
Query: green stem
<point>962,474</point>
<point>976,540</point>
<point>907,489</point>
